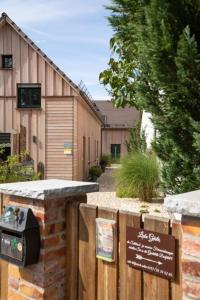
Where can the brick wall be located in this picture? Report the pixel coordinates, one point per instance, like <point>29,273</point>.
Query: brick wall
<point>45,280</point>
<point>191,258</point>
<point>55,205</point>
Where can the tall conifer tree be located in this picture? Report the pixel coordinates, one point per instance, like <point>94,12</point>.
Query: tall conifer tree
<point>156,67</point>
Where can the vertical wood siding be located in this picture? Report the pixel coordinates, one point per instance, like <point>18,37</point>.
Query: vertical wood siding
<point>75,141</point>
<point>63,117</point>
<point>114,136</point>
<point>90,128</point>
<point>30,67</point>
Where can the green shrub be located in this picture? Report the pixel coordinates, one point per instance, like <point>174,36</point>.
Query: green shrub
<point>138,175</point>
<point>105,161</point>
<point>115,160</point>
<point>15,169</point>
<point>125,192</point>
<point>95,171</point>
<point>137,139</point>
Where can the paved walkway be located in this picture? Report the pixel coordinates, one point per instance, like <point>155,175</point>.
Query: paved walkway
<point>107,181</point>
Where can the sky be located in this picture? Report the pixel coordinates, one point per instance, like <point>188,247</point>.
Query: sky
<point>75,34</point>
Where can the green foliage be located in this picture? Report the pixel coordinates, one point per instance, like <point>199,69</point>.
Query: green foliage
<point>144,211</point>
<point>105,161</point>
<point>1,150</point>
<point>125,192</point>
<point>115,160</point>
<point>14,169</point>
<point>155,67</point>
<point>137,139</point>
<point>157,210</point>
<point>95,171</point>
<point>139,175</point>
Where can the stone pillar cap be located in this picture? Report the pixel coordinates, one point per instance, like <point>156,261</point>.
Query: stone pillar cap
<point>186,204</point>
<point>48,189</point>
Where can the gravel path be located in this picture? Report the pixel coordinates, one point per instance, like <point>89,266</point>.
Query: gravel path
<point>107,181</point>
<point>106,197</point>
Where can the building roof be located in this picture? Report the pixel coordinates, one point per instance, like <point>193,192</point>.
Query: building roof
<point>117,117</point>
<point>5,19</point>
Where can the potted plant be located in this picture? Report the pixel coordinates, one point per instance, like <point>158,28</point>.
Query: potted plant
<point>95,172</point>
<point>104,161</point>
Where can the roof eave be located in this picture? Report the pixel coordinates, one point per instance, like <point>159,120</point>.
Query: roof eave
<point>5,18</point>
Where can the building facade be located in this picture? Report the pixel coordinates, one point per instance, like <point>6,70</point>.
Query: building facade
<point>42,111</point>
<point>115,130</point>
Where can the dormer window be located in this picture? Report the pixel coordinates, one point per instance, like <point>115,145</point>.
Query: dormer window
<point>7,61</point>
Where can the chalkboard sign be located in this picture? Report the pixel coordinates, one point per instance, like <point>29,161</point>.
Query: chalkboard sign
<point>151,252</point>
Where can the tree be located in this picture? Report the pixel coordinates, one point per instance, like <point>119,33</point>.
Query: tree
<point>156,67</point>
<point>137,139</point>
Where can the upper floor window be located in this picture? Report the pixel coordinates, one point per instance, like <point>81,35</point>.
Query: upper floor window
<point>7,61</point>
<point>29,95</point>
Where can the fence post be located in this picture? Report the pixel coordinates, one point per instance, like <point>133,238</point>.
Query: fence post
<point>188,205</point>
<point>55,203</point>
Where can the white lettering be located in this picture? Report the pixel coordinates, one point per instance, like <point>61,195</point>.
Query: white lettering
<point>151,237</point>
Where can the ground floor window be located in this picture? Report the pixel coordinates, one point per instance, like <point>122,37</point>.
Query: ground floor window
<point>6,144</point>
<point>115,151</point>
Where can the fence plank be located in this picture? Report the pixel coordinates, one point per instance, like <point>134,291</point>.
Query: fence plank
<point>130,278</point>
<point>176,286</point>
<point>156,288</point>
<point>107,278</point>
<point>72,236</point>
<point>87,255</point>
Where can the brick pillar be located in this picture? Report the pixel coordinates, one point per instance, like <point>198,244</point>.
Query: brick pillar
<point>46,280</point>
<point>191,257</point>
<point>188,205</point>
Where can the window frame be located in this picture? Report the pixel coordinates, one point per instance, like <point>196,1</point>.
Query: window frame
<point>3,56</point>
<point>117,154</point>
<point>28,86</point>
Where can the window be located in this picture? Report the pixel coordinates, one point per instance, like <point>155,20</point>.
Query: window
<point>29,95</point>
<point>115,151</point>
<point>7,61</point>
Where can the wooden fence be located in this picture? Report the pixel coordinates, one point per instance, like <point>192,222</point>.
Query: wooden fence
<point>101,280</point>
<point>89,278</point>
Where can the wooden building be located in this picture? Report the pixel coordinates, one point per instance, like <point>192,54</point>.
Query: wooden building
<point>115,130</point>
<point>42,111</point>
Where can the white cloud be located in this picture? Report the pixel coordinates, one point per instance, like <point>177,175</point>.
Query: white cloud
<point>81,25</point>
<point>30,11</point>
<point>71,37</point>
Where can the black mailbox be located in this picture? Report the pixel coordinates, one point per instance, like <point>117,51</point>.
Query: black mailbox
<point>19,236</point>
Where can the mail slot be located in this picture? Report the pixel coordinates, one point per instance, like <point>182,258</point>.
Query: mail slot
<point>19,236</point>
